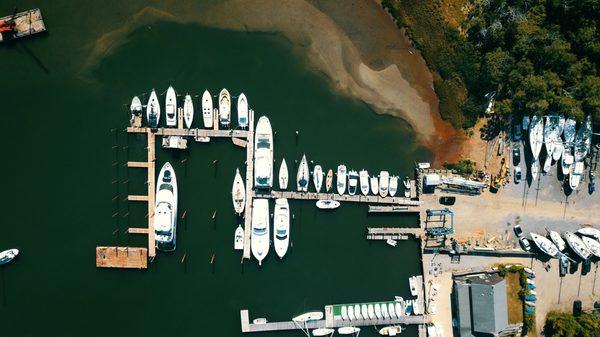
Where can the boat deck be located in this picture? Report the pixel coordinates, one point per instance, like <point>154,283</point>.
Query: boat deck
<point>122,257</point>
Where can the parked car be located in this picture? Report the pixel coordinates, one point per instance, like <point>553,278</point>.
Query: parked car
<point>516,154</point>
<point>517,174</point>
<point>518,231</point>
<point>564,265</point>
<point>525,244</point>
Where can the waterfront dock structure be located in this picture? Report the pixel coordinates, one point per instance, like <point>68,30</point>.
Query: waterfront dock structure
<point>122,257</point>
<point>392,209</point>
<point>335,196</point>
<point>394,233</point>
<point>26,23</point>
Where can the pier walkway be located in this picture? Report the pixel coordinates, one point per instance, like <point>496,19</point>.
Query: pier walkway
<point>334,196</point>
<point>122,257</point>
<point>249,184</point>
<point>395,233</point>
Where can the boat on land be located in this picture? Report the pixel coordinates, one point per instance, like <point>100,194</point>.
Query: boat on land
<point>259,239</point>
<point>575,176</point>
<point>392,310</point>
<point>329,180</point>
<point>536,137</point>
<point>323,332</point>
<point>559,146</point>
<point>308,317</point>
<point>8,255</point>
<point>583,139</point>
<point>384,183</point>
<point>135,108</point>
<point>371,311</point>
<point>188,111</point>
<point>393,186</point>
<point>238,240</point>
<point>364,311</point>
<point>351,313</point>
<point>224,107</point>
<point>557,240</point>
<point>357,311</point>
<point>551,134</point>
<point>378,311</point>
<point>171,107</point>
<point>348,330</point>
<point>566,161</point>
<point>341,179</point>
<point>569,131</point>
<point>302,178</point>
<point>242,111</point>
<point>263,154</point>
<point>535,170</point>
<point>165,209</point>
<point>283,175</point>
<point>545,245</point>
<point>590,231</point>
<point>390,330</point>
<point>384,311</point>
<point>328,204</point>
<point>364,181</point>
<point>592,245</point>
<point>577,245</point>
<point>153,110</point>
<point>344,313</point>
<point>207,109</point>
<point>238,193</point>
<point>374,185</point>
<point>281,227</point>
<point>318,177</point>
<point>352,182</point>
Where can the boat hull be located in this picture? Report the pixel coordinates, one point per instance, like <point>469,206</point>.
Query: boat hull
<point>171,107</point>
<point>207,109</point>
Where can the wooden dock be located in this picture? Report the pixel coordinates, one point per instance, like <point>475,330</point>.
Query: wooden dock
<point>122,257</point>
<point>373,199</point>
<point>26,23</point>
<point>249,184</point>
<point>392,209</point>
<point>394,233</point>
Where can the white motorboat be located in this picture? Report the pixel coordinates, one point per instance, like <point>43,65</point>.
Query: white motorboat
<point>329,181</point>
<point>393,186</point>
<point>412,282</point>
<point>242,110</point>
<point>171,107</point>
<point>283,175</point>
<point>536,136</point>
<point>8,255</point>
<point>535,170</point>
<point>352,182</point>
<point>351,313</point>
<point>328,204</point>
<point>308,317</point>
<point>344,313</point>
<point>384,311</point>
<point>392,310</point>
<point>260,320</point>
<point>153,110</point>
<point>576,174</point>
<point>341,179</point>
<point>399,306</point>
<point>590,231</point>
<point>238,193</point>
<point>583,139</point>
<point>357,311</point>
<point>165,209</point>
<point>207,109</point>
<point>557,240</point>
<point>303,176</point>
<point>259,239</point>
<point>323,332</point>
<point>225,107</point>
<point>378,311</point>
<point>263,154</point>
<point>238,240</point>
<point>384,183</point>
<point>364,311</point>
<point>577,245</point>
<point>318,177</point>
<point>544,244</point>
<point>371,311</point>
<point>188,111</point>
<point>281,227</point>
<point>592,245</point>
<point>374,182</point>
<point>390,330</point>
<point>566,162</point>
<point>406,183</point>
<point>391,242</point>
<point>363,177</point>
<point>135,108</point>
<point>348,330</point>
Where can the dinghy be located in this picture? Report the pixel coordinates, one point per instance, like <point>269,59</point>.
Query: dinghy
<point>318,177</point>
<point>171,107</point>
<point>329,180</point>
<point>242,110</point>
<point>328,204</point>
<point>378,311</point>
<point>238,241</point>
<point>283,175</point>
<point>371,311</point>
<point>390,330</point>
<point>188,111</point>
<point>344,313</point>
<point>207,109</point>
<point>357,311</point>
<point>153,110</point>
<point>224,108</point>
<point>238,193</point>
<point>308,317</point>
<point>351,313</point>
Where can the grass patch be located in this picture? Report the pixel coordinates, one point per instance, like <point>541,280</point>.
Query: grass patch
<point>514,303</point>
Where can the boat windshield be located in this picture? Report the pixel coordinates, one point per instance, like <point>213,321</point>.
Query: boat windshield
<point>259,231</point>
<point>168,187</point>
<point>262,181</point>
<point>263,144</point>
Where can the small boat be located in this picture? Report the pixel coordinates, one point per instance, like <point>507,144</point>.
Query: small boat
<point>535,170</point>
<point>390,330</point>
<point>261,320</point>
<point>238,241</point>
<point>8,255</point>
<point>281,227</point>
<point>188,111</point>
<point>371,311</point>
<point>165,209</point>
<point>341,179</point>
<point>260,239</point>
<point>308,317</point>
<point>323,332</point>
<point>590,231</point>
<point>399,306</point>
<point>536,136</point>
<point>329,180</point>
<point>384,183</point>
<point>392,310</point>
<point>344,313</point>
<point>592,245</point>
<point>569,131</point>
<point>374,185</point>
<point>357,311</point>
<point>575,176</point>
<point>583,139</point>
<point>171,107</point>
<point>328,204</point>
<point>263,154</point>
<point>406,183</point>
<point>153,110</point>
<point>391,242</point>
<point>530,303</point>
<point>348,330</point>
<point>238,193</point>
<point>412,282</point>
<point>530,282</point>
<point>547,164</point>
<point>545,245</point>
<point>384,312</point>
<point>533,292</point>
<point>318,177</point>
<point>577,245</point>
<point>303,176</point>
<point>417,307</point>
<point>530,273</point>
<point>364,311</point>
<point>378,311</point>
<point>351,313</point>
<point>566,162</point>
<point>224,107</point>
<point>557,240</point>
<point>135,108</point>
<point>559,146</point>
<point>283,175</point>
<point>364,181</point>
<point>408,307</point>
<point>207,109</point>
<point>352,182</point>
<point>242,110</point>
<point>393,186</point>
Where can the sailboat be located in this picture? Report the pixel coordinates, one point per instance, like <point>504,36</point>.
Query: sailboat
<point>551,134</point>
<point>171,107</point>
<point>592,245</point>
<point>238,193</point>
<point>348,330</point>
<point>374,185</point>
<point>224,107</point>
<point>590,231</point>
<point>559,146</point>
<point>566,162</point>
<point>207,109</point>
<point>283,175</point>
<point>135,108</point>
<point>329,180</point>
<point>557,240</point>
<point>259,239</point>
<point>281,227</point>
<point>318,177</point>
<point>576,174</point>
<point>238,239</point>
<point>384,183</point>
<point>242,110</point>
<point>165,209</point>
<point>583,139</point>
<point>302,177</point>
<point>263,154</point>
<point>393,185</point>
<point>545,245</point>
<point>390,330</point>
<point>364,181</point>
<point>341,179</point>
<point>153,110</point>
<point>536,137</point>
<point>8,255</point>
<point>352,182</point>
<point>577,245</point>
<point>188,111</point>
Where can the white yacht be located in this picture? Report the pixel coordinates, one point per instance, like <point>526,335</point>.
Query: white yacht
<point>263,154</point>
<point>393,186</point>
<point>577,245</point>
<point>165,209</point>
<point>592,245</point>
<point>308,317</point>
<point>557,240</point>
<point>238,193</point>
<point>259,239</point>
<point>303,176</point>
<point>323,332</point>
<point>583,139</point>
<point>153,110</point>
<point>384,183</point>
<point>348,330</point>
<point>281,227</point>
<point>364,312</point>
<point>590,231</point>
<point>135,108</point>
<point>225,108</point>
<point>283,175</point>
<point>371,311</point>
<point>341,179</point>
<point>329,181</point>
<point>188,111</point>
<point>551,134</point>
<point>536,136</point>
<point>328,204</point>
<point>374,182</point>
<point>352,182</point>
<point>384,311</point>
<point>344,313</point>
<point>390,330</point>
<point>364,181</point>
<point>392,310</point>
<point>351,313</point>
<point>238,239</point>
<point>207,109</point>
<point>575,176</point>
<point>357,311</point>
<point>378,311</point>
<point>545,245</point>
<point>399,306</point>
<point>406,183</point>
<point>8,255</point>
<point>242,111</point>
<point>318,177</point>
<point>171,107</point>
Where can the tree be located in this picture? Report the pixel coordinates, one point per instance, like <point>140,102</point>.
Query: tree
<point>561,325</point>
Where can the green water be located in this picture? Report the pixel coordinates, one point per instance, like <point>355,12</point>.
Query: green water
<point>60,177</point>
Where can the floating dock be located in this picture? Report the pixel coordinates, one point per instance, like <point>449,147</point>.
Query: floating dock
<point>25,23</point>
<point>334,196</point>
<point>392,209</point>
<point>394,233</point>
<point>122,257</point>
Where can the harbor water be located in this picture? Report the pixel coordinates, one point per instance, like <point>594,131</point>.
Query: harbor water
<point>64,149</point>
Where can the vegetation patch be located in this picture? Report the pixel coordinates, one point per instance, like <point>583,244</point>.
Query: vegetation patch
<point>560,324</point>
